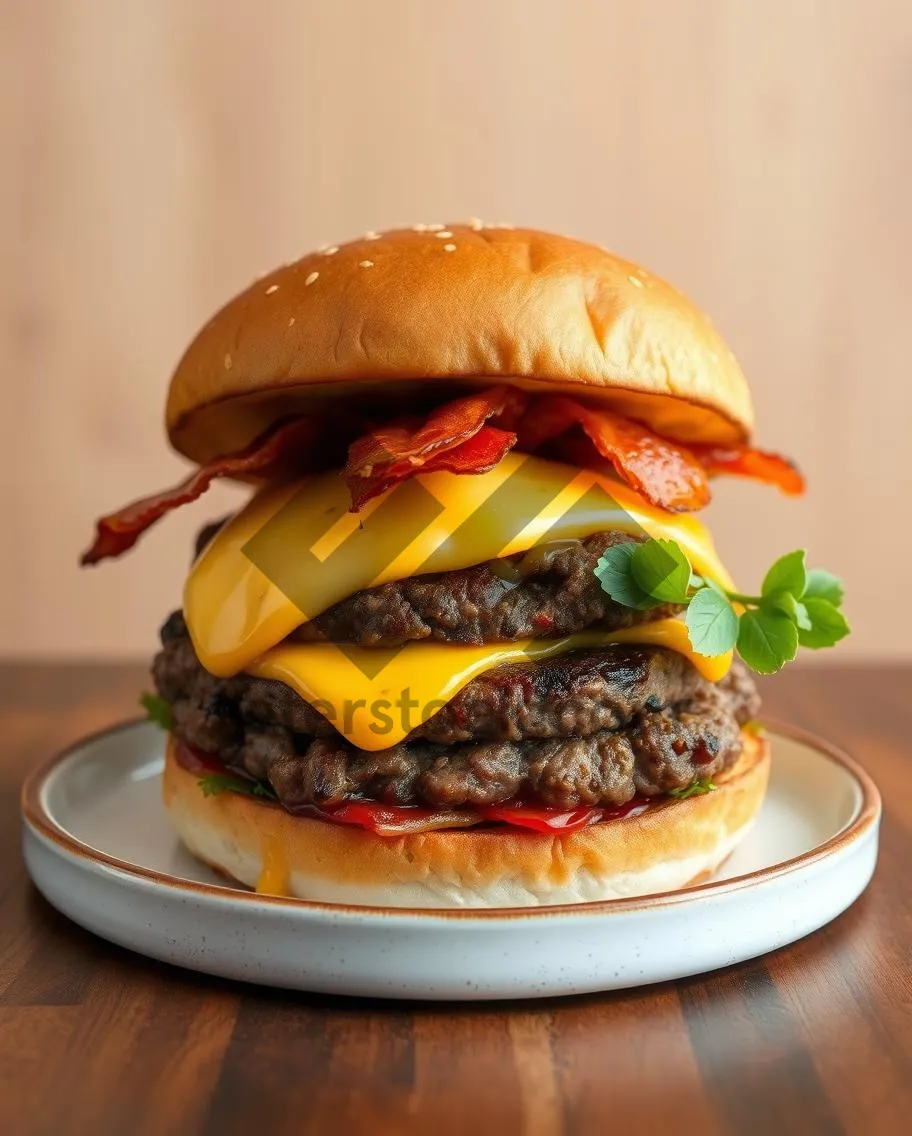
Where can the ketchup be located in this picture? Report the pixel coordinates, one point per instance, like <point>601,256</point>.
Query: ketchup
<point>393,820</point>
<point>542,819</point>
<point>195,761</point>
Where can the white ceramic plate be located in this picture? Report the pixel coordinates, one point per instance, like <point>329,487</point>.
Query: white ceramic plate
<point>99,847</point>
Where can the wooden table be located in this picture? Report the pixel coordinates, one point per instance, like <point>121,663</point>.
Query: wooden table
<point>816,1038</point>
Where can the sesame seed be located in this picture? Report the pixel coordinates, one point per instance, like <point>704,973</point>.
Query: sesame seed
<point>272,288</point>
<point>331,251</point>
<point>636,282</point>
<point>311,278</point>
<point>435,228</point>
<point>291,322</point>
<point>370,235</point>
<point>365,264</point>
<point>443,233</point>
<point>419,228</point>
<point>449,248</point>
<point>476,223</point>
<point>227,362</point>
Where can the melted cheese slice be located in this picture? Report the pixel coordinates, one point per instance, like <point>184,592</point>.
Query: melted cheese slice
<point>295,550</point>
<point>376,709</point>
<point>274,878</point>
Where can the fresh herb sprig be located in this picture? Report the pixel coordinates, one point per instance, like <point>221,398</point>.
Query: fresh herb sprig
<point>157,709</point>
<point>694,789</point>
<point>797,606</point>
<point>214,784</point>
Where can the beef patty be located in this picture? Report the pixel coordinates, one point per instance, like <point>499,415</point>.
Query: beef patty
<point>548,591</point>
<point>592,727</point>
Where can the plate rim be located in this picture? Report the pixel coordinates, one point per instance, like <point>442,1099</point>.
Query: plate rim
<point>43,824</point>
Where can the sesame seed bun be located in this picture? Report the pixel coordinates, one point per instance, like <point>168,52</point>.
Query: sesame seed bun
<point>456,306</point>
<point>666,847</point>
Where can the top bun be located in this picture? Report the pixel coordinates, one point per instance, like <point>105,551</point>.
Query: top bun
<point>463,304</point>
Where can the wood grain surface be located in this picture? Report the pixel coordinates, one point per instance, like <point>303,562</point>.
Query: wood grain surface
<point>157,155</point>
<point>816,1038</point>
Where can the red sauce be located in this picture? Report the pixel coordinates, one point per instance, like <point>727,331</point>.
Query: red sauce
<point>392,819</point>
<point>196,761</point>
<point>542,819</point>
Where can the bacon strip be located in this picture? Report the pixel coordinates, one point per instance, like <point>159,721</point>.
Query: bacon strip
<point>456,437</point>
<point>742,461</point>
<point>119,531</point>
<point>390,454</point>
<point>666,474</point>
<point>476,455</point>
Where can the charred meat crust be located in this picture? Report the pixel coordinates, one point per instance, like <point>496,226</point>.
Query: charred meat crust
<point>590,727</point>
<point>549,591</point>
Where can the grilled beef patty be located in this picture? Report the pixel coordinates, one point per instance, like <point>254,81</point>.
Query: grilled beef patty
<point>549,591</point>
<point>589,727</point>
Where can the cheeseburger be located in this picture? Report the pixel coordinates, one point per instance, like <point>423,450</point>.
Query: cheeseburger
<point>468,642</point>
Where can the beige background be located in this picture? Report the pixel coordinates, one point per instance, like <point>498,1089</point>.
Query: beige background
<point>157,155</point>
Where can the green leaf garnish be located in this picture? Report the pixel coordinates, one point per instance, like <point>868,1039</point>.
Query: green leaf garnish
<point>157,709</point>
<point>661,570</point>
<point>828,624</point>
<point>712,622</point>
<point>615,573</point>
<point>214,784</point>
<point>694,789</point>
<point>788,574</point>
<point>797,605</point>
<point>767,640</point>
<point>824,585</point>
<point>788,605</point>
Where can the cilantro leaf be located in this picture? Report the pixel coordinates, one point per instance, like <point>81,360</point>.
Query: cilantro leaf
<point>712,623</point>
<point>616,577</point>
<point>797,606</point>
<point>157,709</point>
<point>662,570</point>
<point>788,605</point>
<point>828,624</point>
<point>214,784</point>
<point>694,789</point>
<point>767,639</point>
<point>824,585</point>
<point>788,574</point>
<point>265,790</point>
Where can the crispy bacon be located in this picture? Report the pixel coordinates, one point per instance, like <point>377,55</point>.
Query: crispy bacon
<point>119,531</point>
<point>390,454</point>
<point>458,438</point>
<point>742,461</point>
<point>666,474</point>
<point>476,455</point>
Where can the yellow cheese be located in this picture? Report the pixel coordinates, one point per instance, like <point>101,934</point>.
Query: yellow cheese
<point>375,708</point>
<point>274,873</point>
<point>295,550</point>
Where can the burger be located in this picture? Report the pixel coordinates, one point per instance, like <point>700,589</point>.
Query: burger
<point>467,644</point>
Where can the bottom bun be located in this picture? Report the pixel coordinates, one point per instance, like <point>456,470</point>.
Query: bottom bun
<point>666,847</point>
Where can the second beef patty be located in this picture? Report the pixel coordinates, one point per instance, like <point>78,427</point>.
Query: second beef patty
<point>591,727</point>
